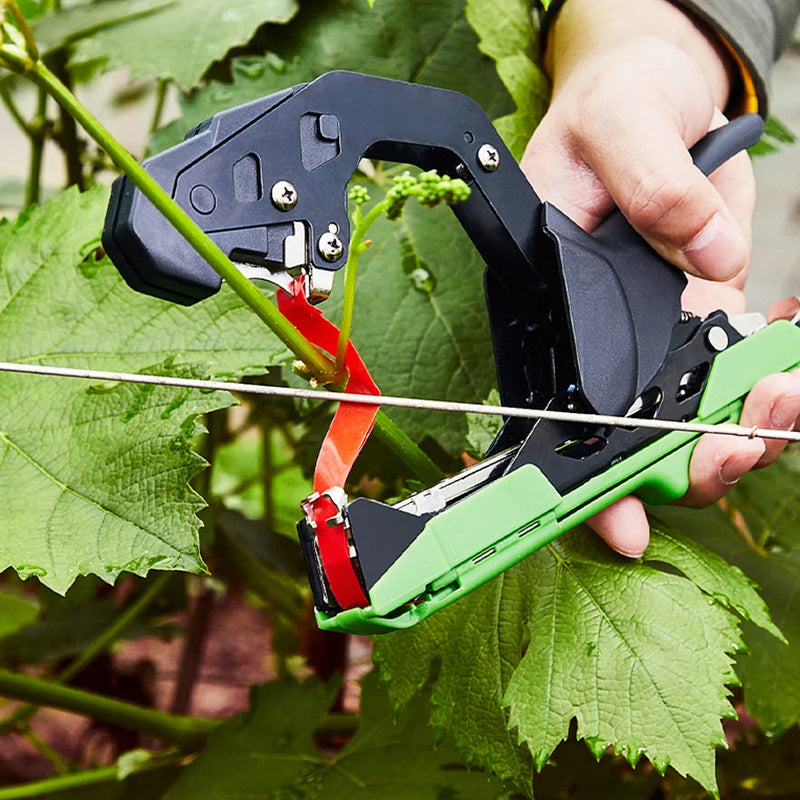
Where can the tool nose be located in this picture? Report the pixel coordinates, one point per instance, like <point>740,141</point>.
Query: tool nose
<point>150,254</point>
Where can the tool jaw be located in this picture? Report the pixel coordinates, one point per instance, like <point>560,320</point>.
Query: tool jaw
<point>267,182</point>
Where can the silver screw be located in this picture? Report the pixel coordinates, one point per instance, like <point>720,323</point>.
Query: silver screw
<point>330,246</point>
<point>717,338</point>
<point>284,195</point>
<point>488,158</point>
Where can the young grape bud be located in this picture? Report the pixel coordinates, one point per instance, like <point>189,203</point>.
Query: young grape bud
<point>358,195</point>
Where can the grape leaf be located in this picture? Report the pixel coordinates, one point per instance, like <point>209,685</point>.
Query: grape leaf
<point>182,40</point>
<point>58,29</point>
<point>712,574</point>
<point>427,41</point>
<point>758,531</point>
<point>270,752</point>
<point>264,751</point>
<point>94,479</point>
<point>395,757</point>
<point>638,656</point>
<point>507,35</point>
<point>113,465</point>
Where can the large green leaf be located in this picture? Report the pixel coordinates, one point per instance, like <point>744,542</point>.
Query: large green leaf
<point>182,40</point>
<point>428,41</point>
<point>759,531</point>
<point>96,482</point>
<point>638,655</point>
<point>270,753</point>
<point>395,757</point>
<point>93,479</point>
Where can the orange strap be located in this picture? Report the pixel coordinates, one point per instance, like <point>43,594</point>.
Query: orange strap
<point>346,436</point>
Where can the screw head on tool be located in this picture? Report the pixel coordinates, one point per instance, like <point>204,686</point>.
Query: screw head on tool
<point>330,246</point>
<point>717,338</point>
<point>488,158</point>
<point>283,195</point>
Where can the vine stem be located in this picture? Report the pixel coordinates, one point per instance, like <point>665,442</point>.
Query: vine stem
<point>357,247</point>
<point>161,96</point>
<point>185,731</point>
<point>60,764</point>
<point>91,777</point>
<point>406,449</point>
<point>33,187</point>
<point>182,730</point>
<point>113,632</point>
<point>322,368</point>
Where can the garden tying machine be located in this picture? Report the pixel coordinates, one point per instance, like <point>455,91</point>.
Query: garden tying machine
<point>580,323</point>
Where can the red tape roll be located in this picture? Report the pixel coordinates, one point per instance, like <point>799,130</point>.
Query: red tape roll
<point>346,436</point>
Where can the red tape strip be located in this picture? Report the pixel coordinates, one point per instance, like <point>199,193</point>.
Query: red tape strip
<point>346,436</point>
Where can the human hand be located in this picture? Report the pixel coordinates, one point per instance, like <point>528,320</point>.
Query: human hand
<point>635,84</point>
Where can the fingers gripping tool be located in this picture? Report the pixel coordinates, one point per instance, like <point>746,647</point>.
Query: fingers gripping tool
<point>579,322</point>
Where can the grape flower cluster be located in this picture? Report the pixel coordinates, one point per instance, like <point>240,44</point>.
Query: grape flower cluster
<point>428,188</point>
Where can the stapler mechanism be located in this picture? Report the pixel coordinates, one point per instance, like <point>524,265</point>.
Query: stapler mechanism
<point>579,322</point>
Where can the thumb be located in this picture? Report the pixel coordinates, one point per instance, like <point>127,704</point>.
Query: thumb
<point>649,174</point>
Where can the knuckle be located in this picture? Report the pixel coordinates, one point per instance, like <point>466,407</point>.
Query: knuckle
<point>656,198</point>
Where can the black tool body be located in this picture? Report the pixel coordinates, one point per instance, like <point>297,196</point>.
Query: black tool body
<point>584,322</point>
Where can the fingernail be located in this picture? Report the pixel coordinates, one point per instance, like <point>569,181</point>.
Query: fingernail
<point>719,251</point>
<point>741,462</point>
<point>784,413</point>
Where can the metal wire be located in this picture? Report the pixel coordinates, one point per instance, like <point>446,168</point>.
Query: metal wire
<point>403,402</point>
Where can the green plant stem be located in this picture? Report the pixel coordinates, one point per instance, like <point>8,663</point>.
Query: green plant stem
<point>14,112</point>
<point>181,730</point>
<point>388,431</point>
<point>116,630</point>
<point>23,27</point>
<point>158,109</point>
<point>357,247</point>
<point>406,449</point>
<point>59,763</point>
<point>91,777</point>
<point>33,186</point>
